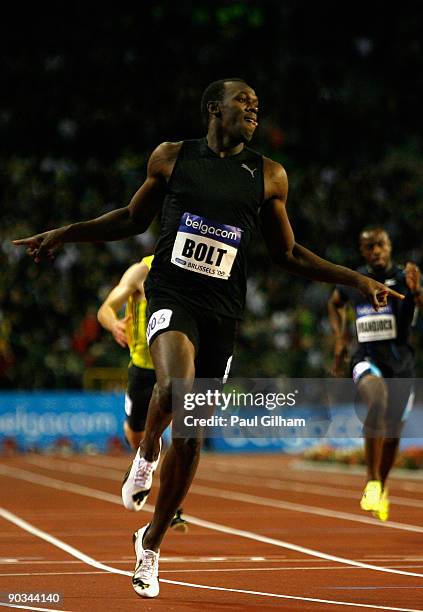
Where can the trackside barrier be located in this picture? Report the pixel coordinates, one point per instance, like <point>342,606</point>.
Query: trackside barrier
<point>93,421</point>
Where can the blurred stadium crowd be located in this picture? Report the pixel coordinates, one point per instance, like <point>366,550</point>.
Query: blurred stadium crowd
<point>87,100</point>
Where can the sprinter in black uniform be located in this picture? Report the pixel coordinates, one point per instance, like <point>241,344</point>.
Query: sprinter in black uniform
<point>214,192</point>
<point>383,364</point>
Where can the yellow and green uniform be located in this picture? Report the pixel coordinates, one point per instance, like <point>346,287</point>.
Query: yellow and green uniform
<point>136,330</point>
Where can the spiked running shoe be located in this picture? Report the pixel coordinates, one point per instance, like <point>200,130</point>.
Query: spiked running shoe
<point>146,576</point>
<point>382,512</point>
<point>137,481</point>
<point>371,495</point>
<point>178,522</point>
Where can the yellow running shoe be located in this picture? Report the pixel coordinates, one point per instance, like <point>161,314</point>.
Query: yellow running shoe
<point>371,496</point>
<point>382,513</point>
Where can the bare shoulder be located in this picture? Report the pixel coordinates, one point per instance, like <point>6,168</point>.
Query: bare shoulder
<point>167,150</point>
<point>163,158</point>
<point>275,179</point>
<point>273,169</point>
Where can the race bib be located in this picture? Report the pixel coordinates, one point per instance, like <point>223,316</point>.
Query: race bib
<point>373,326</point>
<point>159,320</point>
<point>205,246</point>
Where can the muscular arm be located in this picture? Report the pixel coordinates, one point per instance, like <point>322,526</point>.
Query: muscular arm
<point>337,311</point>
<point>120,223</point>
<point>293,257</point>
<point>132,282</point>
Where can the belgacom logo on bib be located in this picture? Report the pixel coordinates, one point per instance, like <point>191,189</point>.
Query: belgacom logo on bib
<point>205,246</point>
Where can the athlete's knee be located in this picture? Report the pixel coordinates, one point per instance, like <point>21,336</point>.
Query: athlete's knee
<point>374,393</point>
<point>162,394</point>
<point>170,394</point>
<point>188,448</point>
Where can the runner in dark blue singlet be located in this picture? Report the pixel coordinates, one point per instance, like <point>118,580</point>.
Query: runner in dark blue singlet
<point>383,364</point>
<point>214,194</point>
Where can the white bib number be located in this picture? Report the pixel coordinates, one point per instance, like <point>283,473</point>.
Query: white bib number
<point>374,326</point>
<point>158,321</point>
<point>205,247</point>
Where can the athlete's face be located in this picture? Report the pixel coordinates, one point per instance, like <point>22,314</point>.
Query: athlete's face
<point>238,110</point>
<point>376,248</point>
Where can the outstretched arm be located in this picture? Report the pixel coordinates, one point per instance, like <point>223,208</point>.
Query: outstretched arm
<point>117,224</point>
<point>293,257</point>
<point>131,283</point>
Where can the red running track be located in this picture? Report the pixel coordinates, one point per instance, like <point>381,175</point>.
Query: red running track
<point>266,532</point>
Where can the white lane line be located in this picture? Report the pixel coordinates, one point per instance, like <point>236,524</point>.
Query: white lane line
<point>302,471</point>
<point>232,559</point>
<point>315,477</point>
<point>272,483</point>
<point>9,516</point>
<point>63,485</point>
<point>53,573</point>
<point>75,467</point>
<point>310,466</point>
<point>282,544</point>
<point>279,485</point>
<point>43,535</point>
<point>273,569</point>
<point>218,570</point>
<point>248,498</point>
<point>284,505</point>
<point>372,588</point>
<point>193,559</point>
<point>391,563</point>
<point>296,470</point>
<point>8,605</point>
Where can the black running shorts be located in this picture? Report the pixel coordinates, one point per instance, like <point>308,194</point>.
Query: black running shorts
<point>213,336</point>
<point>400,365</point>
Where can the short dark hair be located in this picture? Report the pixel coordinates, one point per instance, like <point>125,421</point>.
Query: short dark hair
<point>373,229</point>
<point>215,91</point>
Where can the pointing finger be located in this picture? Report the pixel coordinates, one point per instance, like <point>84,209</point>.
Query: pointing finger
<point>400,296</point>
<point>23,241</point>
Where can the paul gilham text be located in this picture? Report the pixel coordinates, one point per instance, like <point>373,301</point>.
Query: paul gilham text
<point>267,420</point>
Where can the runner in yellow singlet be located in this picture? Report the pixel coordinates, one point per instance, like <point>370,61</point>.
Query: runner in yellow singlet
<point>130,331</point>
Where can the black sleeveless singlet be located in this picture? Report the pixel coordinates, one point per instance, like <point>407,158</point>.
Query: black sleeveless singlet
<point>209,216</point>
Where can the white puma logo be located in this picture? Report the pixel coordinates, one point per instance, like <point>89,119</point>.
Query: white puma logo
<point>249,169</point>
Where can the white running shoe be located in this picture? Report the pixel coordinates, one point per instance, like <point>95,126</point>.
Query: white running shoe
<point>137,481</point>
<point>146,576</point>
